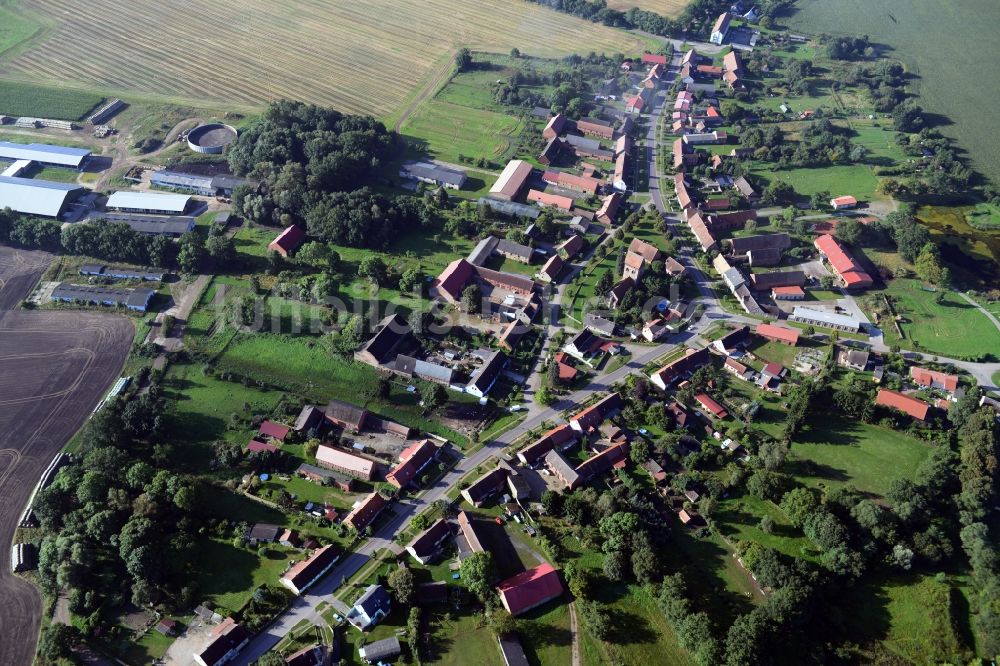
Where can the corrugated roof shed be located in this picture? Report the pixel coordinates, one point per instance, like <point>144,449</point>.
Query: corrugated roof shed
<point>42,152</point>
<point>174,203</point>
<point>35,197</point>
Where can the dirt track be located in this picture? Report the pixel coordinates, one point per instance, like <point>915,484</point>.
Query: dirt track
<point>56,366</point>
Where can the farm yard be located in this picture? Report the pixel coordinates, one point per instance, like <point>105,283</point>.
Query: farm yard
<point>950,78</point>
<point>358,57</point>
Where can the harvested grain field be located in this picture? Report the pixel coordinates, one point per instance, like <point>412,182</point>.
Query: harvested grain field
<point>57,365</point>
<point>662,7</point>
<point>363,57</point>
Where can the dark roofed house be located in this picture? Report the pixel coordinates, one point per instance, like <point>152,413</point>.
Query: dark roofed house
<point>308,571</point>
<point>485,487</point>
<point>347,416</point>
<point>427,546</point>
<point>380,651</point>
<point>555,437</point>
<point>593,416</point>
<point>485,376</point>
<point>365,513</point>
<point>514,251</point>
<point>511,651</point>
<point>370,607</point>
<point>166,626</point>
<point>469,535</point>
<point>603,461</point>
<point>562,469</point>
<point>409,366</point>
<point>228,638</point>
<point>733,340</point>
<point>530,589</point>
<point>309,418</point>
<point>390,333</point>
<point>263,533</point>
<point>257,446</point>
<point>555,126</point>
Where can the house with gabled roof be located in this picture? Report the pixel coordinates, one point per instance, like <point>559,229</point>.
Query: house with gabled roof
<point>413,460</point>
<point>530,589</point>
<point>427,546</point>
<point>914,407</point>
<point>288,241</point>
<point>302,575</point>
<point>365,511</point>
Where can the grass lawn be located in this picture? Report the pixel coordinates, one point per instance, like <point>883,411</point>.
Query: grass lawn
<point>984,215</point>
<point>921,619</point>
<point>305,367</point>
<point>738,517</point>
<point>462,640</point>
<point>201,406</point>
<point>835,451</point>
<point>448,130</point>
<point>857,180</point>
<point>228,575</point>
<point>952,327</point>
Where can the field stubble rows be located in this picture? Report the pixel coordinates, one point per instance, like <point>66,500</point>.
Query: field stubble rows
<point>357,57</point>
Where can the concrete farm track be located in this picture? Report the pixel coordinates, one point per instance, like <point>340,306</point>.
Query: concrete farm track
<point>54,368</point>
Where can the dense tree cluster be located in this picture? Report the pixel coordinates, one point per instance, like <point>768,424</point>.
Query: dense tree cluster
<point>115,517</point>
<point>696,17</point>
<point>313,164</point>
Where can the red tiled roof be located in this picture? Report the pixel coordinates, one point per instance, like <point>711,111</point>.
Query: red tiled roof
<point>926,377</point>
<point>609,206</point>
<point>366,511</point>
<point>567,373</point>
<point>647,251</point>
<point>841,261</point>
<point>454,278</point>
<point>595,414</point>
<point>846,200</point>
<point>546,199</point>
<point>916,408</point>
<point>774,369</point>
<point>654,59</point>
<point>256,446</point>
<point>289,239</point>
<point>413,458</point>
<point>711,405</point>
<point>553,266</point>
<point>531,588</point>
<point>778,333</point>
<point>272,429</point>
<point>788,291</point>
<point>584,183</point>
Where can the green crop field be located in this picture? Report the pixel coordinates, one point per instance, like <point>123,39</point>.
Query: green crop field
<point>836,451</point>
<point>449,130</point>
<point>360,57</point>
<point>951,79</point>
<point>951,328</point>
<point>25,99</point>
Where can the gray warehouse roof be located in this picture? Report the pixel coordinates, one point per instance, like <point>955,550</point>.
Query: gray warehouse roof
<point>826,317</point>
<point>41,152</point>
<point>150,224</point>
<point>176,179</point>
<point>436,173</point>
<point>133,298</point>
<point>510,207</point>
<point>149,201</point>
<point>34,197</point>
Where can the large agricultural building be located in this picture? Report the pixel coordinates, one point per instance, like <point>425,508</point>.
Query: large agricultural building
<point>36,197</point>
<point>154,226</point>
<point>44,154</point>
<point>207,186</point>
<point>149,202</point>
<point>133,299</point>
